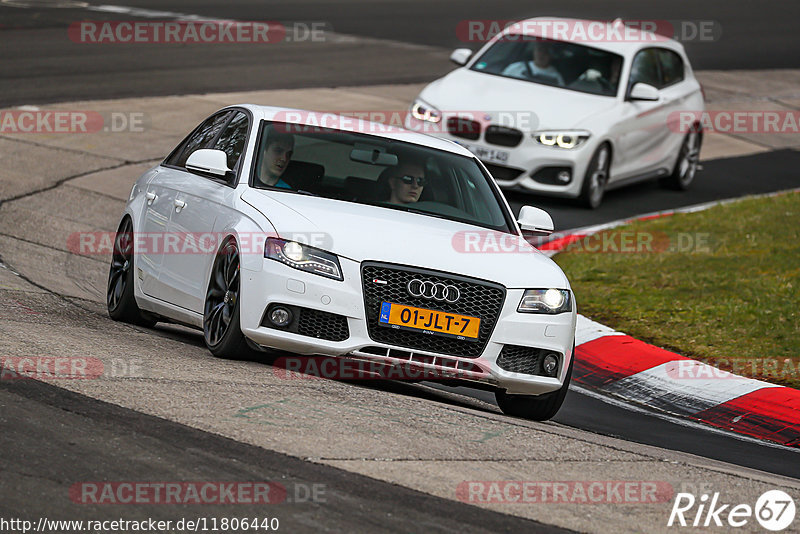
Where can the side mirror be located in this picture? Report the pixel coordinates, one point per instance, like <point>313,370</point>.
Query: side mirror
<point>535,220</point>
<point>460,56</point>
<point>208,161</point>
<point>643,91</point>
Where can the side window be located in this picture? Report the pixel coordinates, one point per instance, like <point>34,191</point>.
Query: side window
<point>645,69</point>
<point>671,67</point>
<point>202,137</point>
<point>232,139</point>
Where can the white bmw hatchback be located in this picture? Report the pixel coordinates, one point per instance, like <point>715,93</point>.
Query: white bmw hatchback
<point>571,118</point>
<point>352,240</point>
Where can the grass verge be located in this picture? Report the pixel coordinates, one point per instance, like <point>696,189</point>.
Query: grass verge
<point>721,286</point>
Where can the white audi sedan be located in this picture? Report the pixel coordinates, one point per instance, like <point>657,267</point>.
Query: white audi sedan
<point>324,235</point>
<point>602,107</point>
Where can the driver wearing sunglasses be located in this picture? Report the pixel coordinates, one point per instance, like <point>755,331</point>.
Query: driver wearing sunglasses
<point>406,183</point>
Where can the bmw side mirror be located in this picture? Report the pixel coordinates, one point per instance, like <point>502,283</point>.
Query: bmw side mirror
<point>643,91</point>
<point>208,161</point>
<point>460,56</point>
<point>535,220</point>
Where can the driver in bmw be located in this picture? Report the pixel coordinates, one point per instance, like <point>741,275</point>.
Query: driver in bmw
<point>540,66</point>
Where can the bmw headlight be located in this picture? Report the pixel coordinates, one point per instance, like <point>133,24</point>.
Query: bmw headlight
<point>424,112</point>
<point>303,257</point>
<point>550,301</point>
<point>567,139</point>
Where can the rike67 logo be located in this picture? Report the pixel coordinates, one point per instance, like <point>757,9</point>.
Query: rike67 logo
<point>774,510</point>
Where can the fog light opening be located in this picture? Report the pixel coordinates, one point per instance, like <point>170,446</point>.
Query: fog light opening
<point>550,364</point>
<point>280,316</point>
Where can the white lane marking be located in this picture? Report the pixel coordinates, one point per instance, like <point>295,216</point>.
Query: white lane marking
<point>587,330</point>
<point>625,405</point>
<point>40,4</point>
<point>151,13</point>
<point>681,387</point>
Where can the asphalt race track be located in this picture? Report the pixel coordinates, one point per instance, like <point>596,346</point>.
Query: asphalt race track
<point>720,178</point>
<point>157,448</point>
<point>52,436</point>
<point>412,41</point>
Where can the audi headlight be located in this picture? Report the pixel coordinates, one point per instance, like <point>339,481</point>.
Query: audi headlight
<point>303,257</point>
<point>424,112</point>
<point>551,301</point>
<point>562,139</point>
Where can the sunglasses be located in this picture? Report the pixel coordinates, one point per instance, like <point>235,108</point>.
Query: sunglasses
<point>408,180</point>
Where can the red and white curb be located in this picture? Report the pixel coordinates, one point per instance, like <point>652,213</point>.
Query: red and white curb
<point>613,363</point>
<point>616,364</point>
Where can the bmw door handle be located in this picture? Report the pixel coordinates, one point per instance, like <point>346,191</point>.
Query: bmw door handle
<point>151,197</point>
<point>179,205</point>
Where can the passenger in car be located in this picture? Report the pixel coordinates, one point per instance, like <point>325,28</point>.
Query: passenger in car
<point>275,158</point>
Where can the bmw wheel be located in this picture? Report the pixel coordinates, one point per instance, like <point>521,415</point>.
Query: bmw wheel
<point>120,301</point>
<point>594,183</point>
<point>688,159</point>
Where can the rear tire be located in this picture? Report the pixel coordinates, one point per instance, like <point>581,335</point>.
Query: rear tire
<point>536,407</point>
<point>120,299</point>
<point>688,158</point>
<point>596,178</point>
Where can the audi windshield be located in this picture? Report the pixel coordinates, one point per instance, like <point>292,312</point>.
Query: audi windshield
<point>366,169</point>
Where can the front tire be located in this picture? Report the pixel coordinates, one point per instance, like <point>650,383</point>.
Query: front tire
<point>222,329</point>
<point>120,300</point>
<point>688,160</point>
<point>536,407</point>
<point>596,178</point>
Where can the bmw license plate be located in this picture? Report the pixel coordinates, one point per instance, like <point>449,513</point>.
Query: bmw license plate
<point>427,321</point>
<point>488,154</point>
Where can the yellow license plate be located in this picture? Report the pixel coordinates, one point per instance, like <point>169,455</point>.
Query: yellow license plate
<point>429,321</point>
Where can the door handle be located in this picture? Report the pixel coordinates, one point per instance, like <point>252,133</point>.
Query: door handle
<point>179,205</point>
<point>151,197</point>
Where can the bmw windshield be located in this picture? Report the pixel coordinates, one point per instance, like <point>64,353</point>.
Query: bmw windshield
<point>556,63</point>
<point>365,169</point>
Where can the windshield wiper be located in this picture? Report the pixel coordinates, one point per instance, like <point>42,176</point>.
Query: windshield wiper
<point>422,212</point>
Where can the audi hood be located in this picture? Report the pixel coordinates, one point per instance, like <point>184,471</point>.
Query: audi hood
<point>369,233</point>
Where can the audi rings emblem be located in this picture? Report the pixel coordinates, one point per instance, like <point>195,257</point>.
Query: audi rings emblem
<point>433,290</point>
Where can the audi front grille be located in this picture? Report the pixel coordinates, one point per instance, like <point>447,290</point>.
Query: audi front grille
<point>389,283</point>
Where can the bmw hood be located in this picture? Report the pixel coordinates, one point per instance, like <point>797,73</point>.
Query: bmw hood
<point>464,90</point>
<point>369,233</point>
